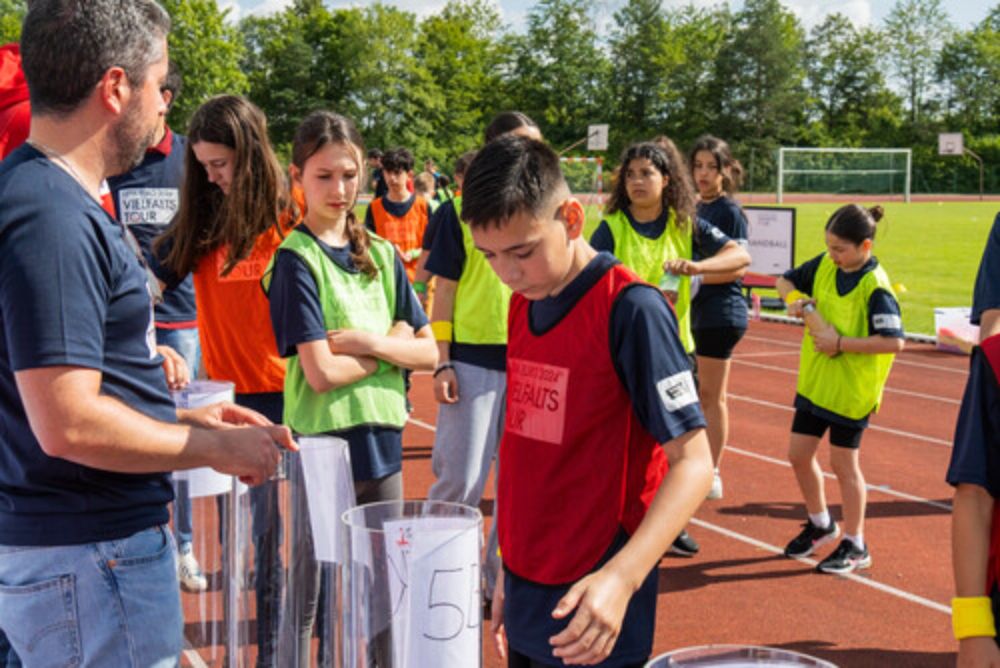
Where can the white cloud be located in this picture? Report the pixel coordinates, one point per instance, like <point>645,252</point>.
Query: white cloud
<point>811,13</point>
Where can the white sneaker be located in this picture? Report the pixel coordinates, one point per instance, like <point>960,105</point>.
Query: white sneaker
<point>715,492</point>
<point>189,573</point>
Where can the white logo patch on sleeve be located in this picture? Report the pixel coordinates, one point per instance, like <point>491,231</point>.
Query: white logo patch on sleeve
<point>887,321</point>
<point>677,391</point>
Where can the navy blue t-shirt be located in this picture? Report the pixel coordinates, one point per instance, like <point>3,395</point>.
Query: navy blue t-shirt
<point>721,305</point>
<point>645,348</point>
<point>378,183</point>
<point>395,209</point>
<point>297,317</point>
<point>146,200</point>
<point>884,318</point>
<point>975,458</point>
<point>434,220</point>
<point>447,259</point>
<point>707,240</point>
<point>987,292</point>
<point>72,293</point>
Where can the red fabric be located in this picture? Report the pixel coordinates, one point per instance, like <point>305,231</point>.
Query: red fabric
<point>15,110</point>
<point>166,144</point>
<point>407,233</point>
<point>575,462</point>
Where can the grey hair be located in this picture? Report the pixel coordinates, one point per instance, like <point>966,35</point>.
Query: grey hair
<point>68,45</point>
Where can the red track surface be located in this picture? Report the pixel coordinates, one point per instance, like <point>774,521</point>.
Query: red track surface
<point>739,589</point>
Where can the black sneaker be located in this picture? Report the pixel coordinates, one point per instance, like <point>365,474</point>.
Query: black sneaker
<point>810,538</point>
<point>684,545</point>
<point>846,558</point>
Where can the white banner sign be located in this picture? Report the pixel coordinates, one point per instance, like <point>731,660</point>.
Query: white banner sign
<point>326,467</point>
<point>771,239</point>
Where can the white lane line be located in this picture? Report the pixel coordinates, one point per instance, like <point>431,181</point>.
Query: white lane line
<point>888,388</point>
<point>883,489</point>
<point>899,358</point>
<point>777,550</point>
<point>739,356</point>
<point>192,656</point>
<point>888,589</point>
<point>873,427</point>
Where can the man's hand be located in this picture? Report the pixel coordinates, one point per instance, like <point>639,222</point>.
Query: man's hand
<point>600,600</point>
<point>446,386</point>
<point>251,453</point>
<point>222,415</point>
<point>174,368</point>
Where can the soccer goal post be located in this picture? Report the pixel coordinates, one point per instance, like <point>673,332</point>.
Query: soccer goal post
<point>583,174</point>
<point>884,171</point>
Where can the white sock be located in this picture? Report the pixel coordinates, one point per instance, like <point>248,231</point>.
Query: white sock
<point>859,540</point>
<point>820,520</point>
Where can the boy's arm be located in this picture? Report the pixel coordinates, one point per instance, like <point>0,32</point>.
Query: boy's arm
<point>443,310</point>
<point>600,599</point>
<point>971,520</point>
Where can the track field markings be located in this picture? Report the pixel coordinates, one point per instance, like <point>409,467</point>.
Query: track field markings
<point>888,388</point>
<point>873,427</point>
<point>874,584</point>
<point>899,359</point>
<point>882,489</point>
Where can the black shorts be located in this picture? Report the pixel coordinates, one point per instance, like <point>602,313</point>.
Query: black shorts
<point>717,342</point>
<point>840,435</point>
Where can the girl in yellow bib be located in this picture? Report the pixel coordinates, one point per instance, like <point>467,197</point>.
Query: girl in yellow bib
<point>651,226</point>
<point>854,332</point>
<point>344,314</point>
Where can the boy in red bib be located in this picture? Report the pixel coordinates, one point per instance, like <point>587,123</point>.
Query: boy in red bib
<point>600,397</point>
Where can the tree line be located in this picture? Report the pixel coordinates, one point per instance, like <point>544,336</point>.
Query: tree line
<point>754,76</point>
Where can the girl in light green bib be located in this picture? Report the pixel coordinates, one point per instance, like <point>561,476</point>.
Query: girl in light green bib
<point>854,332</point>
<point>345,316</point>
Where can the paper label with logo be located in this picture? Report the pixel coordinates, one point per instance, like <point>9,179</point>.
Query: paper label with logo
<point>148,206</point>
<point>536,406</point>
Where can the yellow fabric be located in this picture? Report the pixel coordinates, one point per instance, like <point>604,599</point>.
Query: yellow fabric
<point>442,330</point>
<point>481,298</point>
<point>972,617</point>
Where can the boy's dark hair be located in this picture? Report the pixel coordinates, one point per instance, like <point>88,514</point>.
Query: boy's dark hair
<point>509,176</point>
<point>374,154</point>
<point>463,162</point>
<point>68,45</point>
<point>855,223</point>
<point>173,83</point>
<point>442,181</point>
<point>397,160</point>
<point>507,121</point>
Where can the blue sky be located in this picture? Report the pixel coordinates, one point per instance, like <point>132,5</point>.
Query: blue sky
<point>964,13</point>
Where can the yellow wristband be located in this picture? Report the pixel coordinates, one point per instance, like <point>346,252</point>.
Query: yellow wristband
<point>794,296</point>
<point>442,330</point>
<point>972,616</point>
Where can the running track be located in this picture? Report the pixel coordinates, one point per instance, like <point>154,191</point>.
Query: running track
<point>739,589</point>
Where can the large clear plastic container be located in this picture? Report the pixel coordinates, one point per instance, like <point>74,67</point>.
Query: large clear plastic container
<point>412,585</point>
<point>736,656</point>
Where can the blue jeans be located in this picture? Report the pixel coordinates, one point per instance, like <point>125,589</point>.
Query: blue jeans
<point>112,603</point>
<point>185,342</point>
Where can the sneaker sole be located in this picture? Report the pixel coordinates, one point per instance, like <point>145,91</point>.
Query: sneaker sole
<point>829,538</point>
<point>854,566</point>
<point>681,552</point>
<point>713,495</point>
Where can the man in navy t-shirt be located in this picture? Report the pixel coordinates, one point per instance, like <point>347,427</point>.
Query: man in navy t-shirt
<point>87,427</point>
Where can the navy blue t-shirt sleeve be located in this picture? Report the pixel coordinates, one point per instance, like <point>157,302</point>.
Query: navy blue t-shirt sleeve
<point>975,458</point>
<point>804,275</point>
<point>432,226</point>
<point>602,239</point>
<point>987,291</point>
<point>447,256</point>
<point>708,239</point>
<point>651,362</point>
<point>884,315</point>
<point>54,291</point>
<point>296,313</point>
<point>407,306</point>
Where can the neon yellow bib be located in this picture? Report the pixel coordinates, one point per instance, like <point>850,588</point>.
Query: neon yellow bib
<point>349,301</point>
<point>849,384</point>
<point>646,256</point>
<point>481,299</point>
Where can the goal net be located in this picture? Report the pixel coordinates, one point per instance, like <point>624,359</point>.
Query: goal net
<point>882,171</point>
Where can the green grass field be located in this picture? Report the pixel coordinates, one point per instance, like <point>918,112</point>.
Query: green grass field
<point>931,248</point>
